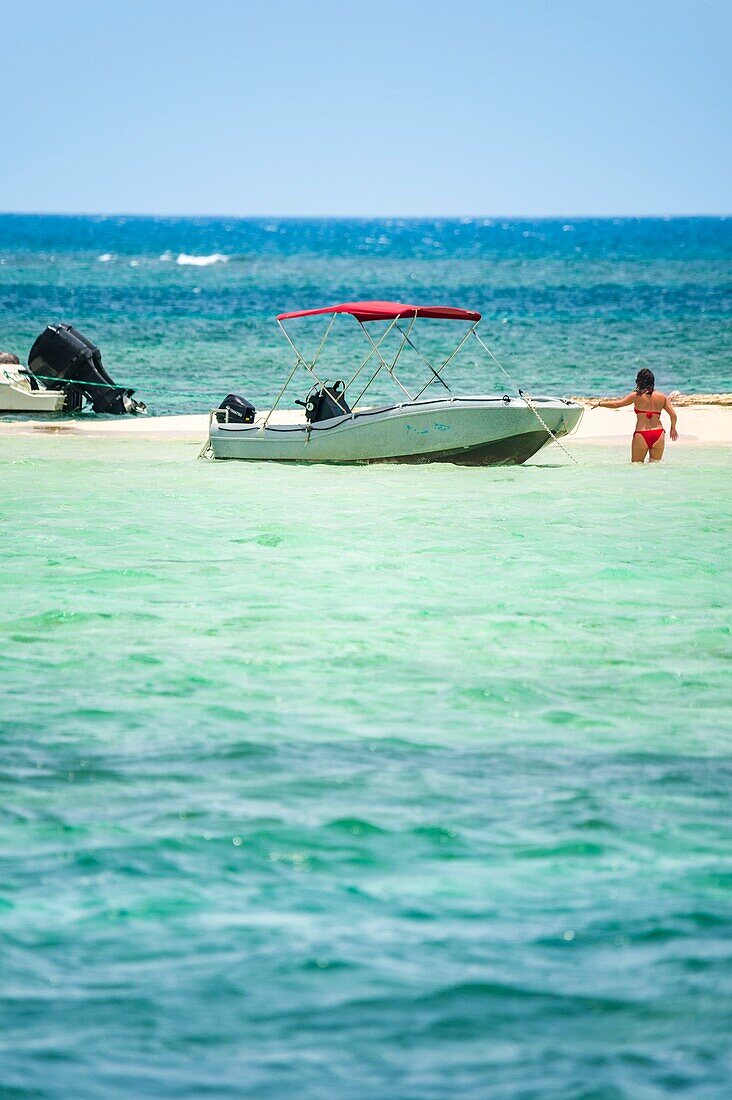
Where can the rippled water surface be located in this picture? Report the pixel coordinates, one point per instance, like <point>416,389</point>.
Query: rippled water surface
<point>183,309</point>
<point>363,783</point>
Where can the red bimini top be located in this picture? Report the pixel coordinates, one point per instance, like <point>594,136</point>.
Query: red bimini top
<point>387,311</point>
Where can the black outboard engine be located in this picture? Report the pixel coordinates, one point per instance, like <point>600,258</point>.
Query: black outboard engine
<point>325,402</point>
<point>238,409</point>
<point>66,360</point>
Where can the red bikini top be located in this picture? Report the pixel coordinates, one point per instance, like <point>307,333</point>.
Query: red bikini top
<point>646,412</point>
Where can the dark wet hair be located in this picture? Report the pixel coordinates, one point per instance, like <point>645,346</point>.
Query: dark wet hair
<point>9,359</point>
<point>644,381</point>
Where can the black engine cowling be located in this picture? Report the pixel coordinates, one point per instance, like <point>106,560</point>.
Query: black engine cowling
<point>239,410</point>
<point>66,360</point>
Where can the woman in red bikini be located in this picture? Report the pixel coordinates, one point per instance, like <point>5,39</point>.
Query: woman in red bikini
<point>649,437</point>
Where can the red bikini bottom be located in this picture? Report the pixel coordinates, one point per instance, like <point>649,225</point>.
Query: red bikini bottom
<point>651,435</point>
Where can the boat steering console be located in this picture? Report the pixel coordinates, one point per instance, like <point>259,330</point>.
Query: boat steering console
<point>326,402</point>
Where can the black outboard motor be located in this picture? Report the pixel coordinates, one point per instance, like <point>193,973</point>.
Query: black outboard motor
<point>239,410</point>
<point>66,360</point>
<point>325,402</point>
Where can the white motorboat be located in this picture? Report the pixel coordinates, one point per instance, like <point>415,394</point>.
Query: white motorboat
<point>480,430</point>
<point>18,393</point>
<point>65,372</point>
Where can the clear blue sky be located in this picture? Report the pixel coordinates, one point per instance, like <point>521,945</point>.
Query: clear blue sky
<point>505,107</point>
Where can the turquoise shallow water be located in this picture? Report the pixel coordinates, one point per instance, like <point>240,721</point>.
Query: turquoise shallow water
<point>405,782</point>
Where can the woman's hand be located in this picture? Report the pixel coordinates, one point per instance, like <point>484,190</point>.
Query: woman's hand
<point>595,404</point>
<point>674,434</point>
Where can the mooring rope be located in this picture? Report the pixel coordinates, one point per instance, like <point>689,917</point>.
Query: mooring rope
<point>112,385</point>
<point>526,398</point>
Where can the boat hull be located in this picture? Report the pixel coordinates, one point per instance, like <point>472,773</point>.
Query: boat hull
<point>470,431</point>
<point>15,397</point>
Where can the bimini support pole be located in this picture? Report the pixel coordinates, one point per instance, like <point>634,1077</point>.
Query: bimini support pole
<point>387,366</point>
<point>394,361</point>
<point>368,358</point>
<point>300,361</point>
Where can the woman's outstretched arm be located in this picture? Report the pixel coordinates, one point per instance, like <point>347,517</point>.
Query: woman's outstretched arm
<point>672,413</point>
<point>614,402</point>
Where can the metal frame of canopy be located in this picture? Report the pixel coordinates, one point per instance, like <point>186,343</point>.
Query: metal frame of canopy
<point>364,312</point>
<point>392,312</point>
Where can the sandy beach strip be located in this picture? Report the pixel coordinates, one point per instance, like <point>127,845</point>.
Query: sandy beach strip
<point>698,424</point>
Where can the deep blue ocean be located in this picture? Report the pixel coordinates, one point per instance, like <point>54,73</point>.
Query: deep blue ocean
<point>183,309</point>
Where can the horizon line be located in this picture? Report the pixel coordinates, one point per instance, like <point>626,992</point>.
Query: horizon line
<point>360,217</point>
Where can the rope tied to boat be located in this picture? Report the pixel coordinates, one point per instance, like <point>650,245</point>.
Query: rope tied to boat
<point>525,397</point>
<point>61,382</point>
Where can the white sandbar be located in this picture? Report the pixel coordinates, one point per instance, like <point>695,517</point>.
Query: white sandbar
<point>698,424</point>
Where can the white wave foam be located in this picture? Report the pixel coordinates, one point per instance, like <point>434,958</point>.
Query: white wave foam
<point>201,261</point>
<point>105,258</point>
